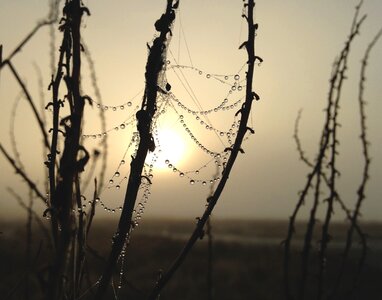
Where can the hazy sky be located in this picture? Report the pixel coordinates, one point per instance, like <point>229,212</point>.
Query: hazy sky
<point>298,41</point>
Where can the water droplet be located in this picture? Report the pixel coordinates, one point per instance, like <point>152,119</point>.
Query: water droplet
<point>239,88</point>
<point>204,183</point>
<point>226,77</point>
<point>98,105</point>
<point>114,108</point>
<point>197,172</point>
<point>181,174</point>
<point>122,107</point>
<point>237,77</point>
<point>192,181</point>
<point>129,103</point>
<point>105,108</point>
<point>122,126</point>
<point>181,117</point>
<point>208,75</point>
<point>200,72</point>
<point>221,133</point>
<point>117,187</point>
<point>122,161</point>
<point>116,174</point>
<point>97,199</point>
<point>233,88</point>
<point>170,166</point>
<point>111,181</point>
<point>166,161</point>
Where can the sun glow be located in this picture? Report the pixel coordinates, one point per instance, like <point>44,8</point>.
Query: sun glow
<point>171,148</point>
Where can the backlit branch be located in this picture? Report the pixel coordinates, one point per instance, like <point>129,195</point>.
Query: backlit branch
<point>250,95</point>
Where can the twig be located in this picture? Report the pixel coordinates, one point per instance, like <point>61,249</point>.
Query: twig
<point>365,174</point>
<point>144,116</point>
<point>325,237</point>
<point>30,101</point>
<point>245,111</point>
<point>328,140</point>
<point>23,175</point>
<point>26,40</point>
<point>298,142</point>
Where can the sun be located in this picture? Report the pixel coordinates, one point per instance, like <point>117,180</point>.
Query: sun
<point>170,149</point>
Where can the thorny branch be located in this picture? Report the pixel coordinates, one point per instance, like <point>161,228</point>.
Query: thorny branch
<point>328,144</point>
<point>23,175</point>
<point>154,67</point>
<point>365,174</point>
<point>235,149</point>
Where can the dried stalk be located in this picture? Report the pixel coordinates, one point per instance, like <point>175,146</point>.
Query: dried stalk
<point>365,174</point>
<point>340,74</point>
<point>235,149</point>
<point>66,191</point>
<point>144,116</point>
<point>22,174</point>
<point>328,141</point>
<point>30,101</point>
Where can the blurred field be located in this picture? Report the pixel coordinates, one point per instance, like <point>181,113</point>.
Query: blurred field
<point>247,260</point>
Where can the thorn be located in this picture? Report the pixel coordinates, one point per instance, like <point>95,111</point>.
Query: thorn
<point>243,45</point>
<point>176,5</point>
<point>256,96</point>
<point>49,104</point>
<point>238,112</point>
<point>86,10</point>
<point>90,100</point>
<point>251,130</point>
<point>259,59</point>
<point>147,178</point>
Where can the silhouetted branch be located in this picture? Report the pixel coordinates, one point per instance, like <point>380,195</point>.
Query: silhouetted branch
<point>154,66</point>
<point>67,192</point>
<point>325,238</point>
<point>198,232</point>
<point>12,136</point>
<point>298,142</point>
<point>30,101</point>
<point>22,174</point>
<point>365,174</point>
<point>328,142</point>
<point>25,41</point>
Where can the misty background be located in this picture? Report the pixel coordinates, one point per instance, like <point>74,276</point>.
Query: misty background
<point>298,41</point>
